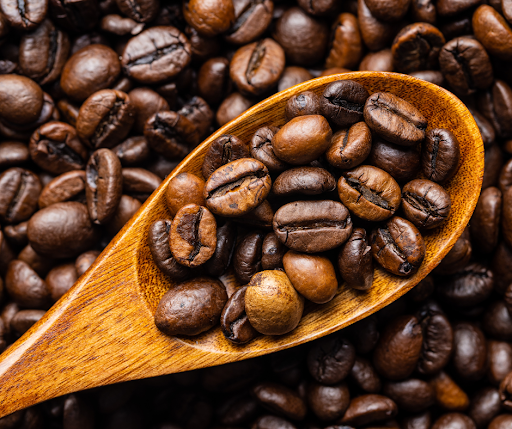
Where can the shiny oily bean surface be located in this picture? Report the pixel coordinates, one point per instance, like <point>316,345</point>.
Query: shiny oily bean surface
<point>234,322</point>
<point>351,147</point>
<point>369,192</point>
<point>280,399</point>
<point>69,186</point>
<point>223,150</point>
<point>20,191</point>
<point>369,408</point>
<point>312,226</point>
<point>237,187</point>
<point>355,261</point>
<point>303,180</point>
<point>221,258</point>
<point>261,149</point>
<point>485,223</point>
<point>305,103</point>
<point>342,102</point>
<point>440,155</point>
<point>247,256</point>
<point>394,119</point>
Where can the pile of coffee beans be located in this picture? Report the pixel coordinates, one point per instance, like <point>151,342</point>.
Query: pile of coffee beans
<point>173,72</point>
<point>283,182</point>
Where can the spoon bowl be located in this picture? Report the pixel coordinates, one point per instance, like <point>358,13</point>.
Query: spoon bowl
<point>102,331</point>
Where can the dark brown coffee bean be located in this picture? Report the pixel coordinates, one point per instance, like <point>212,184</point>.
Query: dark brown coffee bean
<point>376,34</point>
<point>458,257</point>
<point>69,186</point>
<point>388,10</point>
<point>303,180</point>
<point>328,403</point>
<point>105,118</point>
<point>234,322</point>
<point>79,81</point>
<point>465,65</point>
<point>302,140</point>
<point>25,287</point>
<point>351,147</point>
<point>256,68</point>
<point>272,252</point>
<point>146,103</point>
<point>501,422</point>
<point>156,55</point>
<point>13,154</point>
<point>440,155</point>
<point>133,151</point>
<point>209,18</point>
<point>469,351</point>
<point>193,236</point>
<point>305,103</point>
<point>232,106</point>
<point>272,422</point>
<point>425,203</point>
<point>401,162</point>
<point>368,409</point>
<point>485,405</point>
<point>103,185</point>
<point>499,358</point>
<point>20,191</point>
<point>280,399</point>
<point>411,395</point>
<point>355,261</point>
<point>40,264</point>
<point>346,45</point>
<point>126,208</point>
<point>416,47</point>
<point>120,26</point>
<point>60,279</point>
<point>485,223</point>
<point>496,105</point>
<point>261,149</point>
<point>497,42</point>
<point>293,75</point>
<point>158,242</point>
<point>364,375</point>
<point>398,247</point>
<point>497,321</point>
<point>399,348</point>
<point>170,134</point>
<point>223,150</point>
<point>312,226</point>
<point>140,10</point>
<point>26,15</point>
<point>331,359</point>
<point>56,148</point>
<point>197,111</point>
<point>139,183</point>
<point>22,101</point>
<point>422,420</point>
<point>303,38</point>
<point>192,307</point>
<point>237,187</point>
<point>394,119</point>
<point>78,15</point>
<point>17,234</point>
<point>252,18</point>
<point>85,260</point>
<point>24,319</point>
<point>342,102</point>
<point>213,82</point>
<point>247,257</point>
<point>454,420</point>
<point>369,192</point>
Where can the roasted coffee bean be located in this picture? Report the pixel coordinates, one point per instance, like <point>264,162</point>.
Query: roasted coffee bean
<point>183,189</point>
<point>234,322</point>
<point>25,287</point>
<point>139,183</point>
<point>454,420</point>
<point>193,235</point>
<point>351,147</point>
<point>485,405</point>
<point>388,10</point>
<point>156,55</point>
<point>237,187</point>
<point>197,111</point>
<point>126,208</point>
<point>13,154</point>
<point>501,421</point>
<point>440,155</point>
<point>223,150</point>
<point>499,358</point>
<point>272,305</point>
<point>40,264</point>
<point>191,307</point>
<point>458,257</point>
<point>416,47</point>
<point>411,395</point>
<point>342,102</point>
<point>247,256</point>
<point>328,403</point>
<point>364,375</point>
<point>62,230</point>
<point>170,134</point>
<point>305,103</point>
<point>252,18</point>
<point>303,180</point>
<point>497,321</point>
<point>260,217</point>
<point>302,140</point>
<point>281,400</point>
<point>56,148</point>
<point>465,65</point>
<point>369,192</point>
<point>69,186</point>
<point>485,223</point>
<point>26,15</point>
<point>133,151</point>
<point>394,119</point>
<point>272,252</point>
<point>79,15</point>
<point>213,82</point>
<point>103,188</point>
<point>376,34</point>
<point>60,279</point>
<point>313,276</point>
<point>401,162</point>
<point>89,70</point>
<point>355,261</point>
<point>22,101</point>
<point>255,68</point>
<point>346,45</point>
<point>370,408</point>
<point>312,226</point>
<point>158,242</point>
<point>209,18</point>
<point>85,260</point>
<point>469,351</point>
<point>18,199</point>
<point>105,118</point>
<point>17,234</point>
<point>303,38</point>
<point>232,106</point>
<point>261,149</point>
<point>496,105</point>
<point>425,203</point>
<point>120,26</point>
<point>293,75</point>
<point>498,42</point>
<point>399,348</point>
<point>331,359</point>
<point>398,247</point>
<point>146,103</point>
<point>24,319</point>
<point>140,10</point>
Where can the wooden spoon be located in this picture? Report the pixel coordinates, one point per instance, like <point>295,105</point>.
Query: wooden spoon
<point>102,330</point>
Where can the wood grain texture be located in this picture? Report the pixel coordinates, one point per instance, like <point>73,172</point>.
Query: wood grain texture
<point>102,330</point>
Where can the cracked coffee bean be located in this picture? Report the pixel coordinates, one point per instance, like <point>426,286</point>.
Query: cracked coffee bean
<point>355,261</point>
<point>20,191</point>
<point>223,150</point>
<point>440,155</point>
<point>343,102</point>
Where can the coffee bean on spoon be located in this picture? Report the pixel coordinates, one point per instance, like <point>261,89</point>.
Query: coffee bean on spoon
<point>343,101</point>
<point>351,147</point>
<point>440,155</point>
<point>222,150</point>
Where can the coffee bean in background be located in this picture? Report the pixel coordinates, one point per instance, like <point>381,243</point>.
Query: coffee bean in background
<point>54,55</point>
